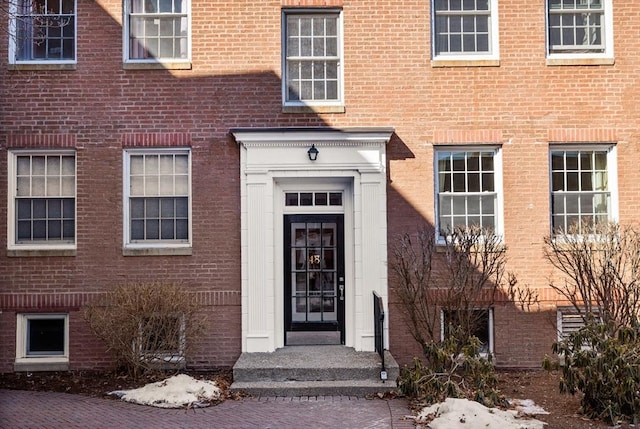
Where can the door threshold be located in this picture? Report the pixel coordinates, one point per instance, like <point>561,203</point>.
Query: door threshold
<point>312,338</point>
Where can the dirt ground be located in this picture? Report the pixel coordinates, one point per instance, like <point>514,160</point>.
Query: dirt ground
<point>540,386</point>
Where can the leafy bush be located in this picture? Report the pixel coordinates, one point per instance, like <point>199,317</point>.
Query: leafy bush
<point>605,368</point>
<point>448,373</point>
<point>147,326</point>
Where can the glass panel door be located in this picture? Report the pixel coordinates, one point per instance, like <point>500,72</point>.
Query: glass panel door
<point>314,289</point>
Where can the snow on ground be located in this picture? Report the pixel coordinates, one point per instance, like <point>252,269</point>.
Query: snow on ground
<point>456,413</point>
<point>175,392</point>
<point>527,406</point>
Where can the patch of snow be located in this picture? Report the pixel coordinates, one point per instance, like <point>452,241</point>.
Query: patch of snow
<point>456,413</point>
<point>527,407</point>
<point>175,392</point>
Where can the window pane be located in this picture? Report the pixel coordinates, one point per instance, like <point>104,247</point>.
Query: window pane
<point>182,207</point>
<point>152,206</point>
<point>488,180</point>
<point>152,229</point>
<point>167,229</point>
<point>167,208</point>
<point>306,199</point>
<point>137,230</point>
<point>474,182</point>
<point>182,229</point>
<point>321,199</point>
<point>45,336</point>
<point>291,199</point>
<point>335,199</point>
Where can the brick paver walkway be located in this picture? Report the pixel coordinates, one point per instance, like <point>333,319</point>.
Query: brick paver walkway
<point>31,410</point>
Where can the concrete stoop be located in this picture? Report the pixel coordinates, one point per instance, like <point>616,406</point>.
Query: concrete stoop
<point>313,371</point>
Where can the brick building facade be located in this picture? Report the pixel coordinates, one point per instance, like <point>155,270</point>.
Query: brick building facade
<point>394,89</point>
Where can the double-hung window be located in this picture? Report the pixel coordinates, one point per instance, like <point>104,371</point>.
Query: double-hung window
<point>312,60</point>
<point>157,190</point>
<point>465,29</point>
<point>579,28</point>
<point>42,31</point>
<point>157,31</point>
<point>583,184</point>
<point>42,342</point>
<point>42,191</point>
<point>468,190</point>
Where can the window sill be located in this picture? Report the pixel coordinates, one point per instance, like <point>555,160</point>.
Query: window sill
<point>178,65</point>
<point>465,63</point>
<point>28,253</point>
<point>157,251</point>
<point>313,109</point>
<point>41,66</point>
<point>580,61</point>
<point>443,248</point>
<point>27,364</point>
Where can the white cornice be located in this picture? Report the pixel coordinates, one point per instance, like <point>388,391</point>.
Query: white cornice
<point>291,137</point>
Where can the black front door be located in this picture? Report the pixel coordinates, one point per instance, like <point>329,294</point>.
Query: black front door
<point>314,275</point>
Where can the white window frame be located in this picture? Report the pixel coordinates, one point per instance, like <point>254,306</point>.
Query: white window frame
<point>22,355</point>
<point>126,31</point>
<point>337,13</point>
<point>612,176</point>
<point>498,190</point>
<point>12,198</point>
<point>15,16</point>
<point>493,29</point>
<point>153,244</point>
<point>606,35</point>
<point>490,326</point>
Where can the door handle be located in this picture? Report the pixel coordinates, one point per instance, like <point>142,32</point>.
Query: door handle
<point>341,292</point>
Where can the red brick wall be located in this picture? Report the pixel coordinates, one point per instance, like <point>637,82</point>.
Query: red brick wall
<point>235,82</point>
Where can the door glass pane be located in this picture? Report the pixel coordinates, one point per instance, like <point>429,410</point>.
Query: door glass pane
<point>314,234</point>
<point>313,247</point>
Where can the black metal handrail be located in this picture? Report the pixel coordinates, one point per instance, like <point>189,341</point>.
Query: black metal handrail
<point>378,323</point>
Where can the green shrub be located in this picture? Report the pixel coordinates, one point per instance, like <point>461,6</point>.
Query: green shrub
<point>447,373</point>
<point>605,368</point>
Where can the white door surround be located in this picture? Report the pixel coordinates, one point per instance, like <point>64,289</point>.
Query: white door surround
<point>274,161</point>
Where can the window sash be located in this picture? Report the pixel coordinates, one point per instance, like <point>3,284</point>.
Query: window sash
<point>312,57</point>
<point>576,28</point>
<point>462,30</point>
<point>467,190</point>
<point>580,190</point>
<point>44,211</point>
<point>159,33</point>
<point>45,30</point>
<point>35,341</point>
<point>157,197</point>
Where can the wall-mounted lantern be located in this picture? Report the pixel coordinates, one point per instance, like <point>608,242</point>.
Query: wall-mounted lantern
<point>313,153</point>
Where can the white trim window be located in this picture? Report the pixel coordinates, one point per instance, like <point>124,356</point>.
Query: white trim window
<point>42,31</point>
<point>42,338</point>
<point>157,31</point>
<point>465,29</point>
<point>579,28</point>
<point>583,187</point>
<point>157,198</point>
<point>42,200</point>
<point>483,329</point>
<point>468,189</point>
<point>312,58</point>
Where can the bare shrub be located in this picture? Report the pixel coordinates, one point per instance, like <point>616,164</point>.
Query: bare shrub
<point>147,326</point>
<point>600,269</point>
<point>460,280</point>
<point>459,277</point>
